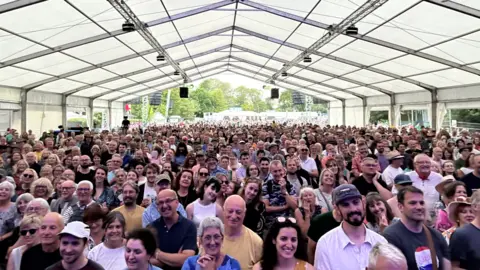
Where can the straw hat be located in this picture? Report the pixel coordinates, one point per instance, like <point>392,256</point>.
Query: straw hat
<point>445,180</point>
<point>452,207</point>
<point>394,155</point>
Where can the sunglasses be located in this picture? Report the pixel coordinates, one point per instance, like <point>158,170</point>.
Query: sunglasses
<point>31,232</point>
<point>28,175</point>
<point>203,174</point>
<point>284,219</point>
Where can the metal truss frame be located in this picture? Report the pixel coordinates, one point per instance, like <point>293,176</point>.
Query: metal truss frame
<point>456,7</point>
<point>18,4</point>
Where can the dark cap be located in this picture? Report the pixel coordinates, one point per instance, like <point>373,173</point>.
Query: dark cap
<point>402,179</point>
<point>344,192</point>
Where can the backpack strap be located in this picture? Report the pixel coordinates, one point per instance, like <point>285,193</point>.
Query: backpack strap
<point>431,246</point>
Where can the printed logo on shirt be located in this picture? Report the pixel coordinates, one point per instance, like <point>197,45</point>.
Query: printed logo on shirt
<point>424,258</point>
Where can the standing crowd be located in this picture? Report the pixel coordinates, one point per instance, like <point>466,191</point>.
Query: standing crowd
<point>240,196</point>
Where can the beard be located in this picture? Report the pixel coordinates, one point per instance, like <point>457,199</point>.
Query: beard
<point>128,201</point>
<point>84,166</point>
<point>354,222</point>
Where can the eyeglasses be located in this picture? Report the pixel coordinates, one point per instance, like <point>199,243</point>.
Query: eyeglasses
<point>28,175</point>
<point>167,201</point>
<point>39,186</point>
<point>284,219</point>
<point>304,150</point>
<point>203,174</point>
<point>31,232</point>
<point>83,190</point>
<point>370,165</point>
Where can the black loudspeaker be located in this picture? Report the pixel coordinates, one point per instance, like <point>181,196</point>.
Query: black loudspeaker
<point>274,93</point>
<point>183,92</point>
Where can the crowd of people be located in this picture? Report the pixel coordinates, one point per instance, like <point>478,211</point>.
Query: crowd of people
<point>240,196</point>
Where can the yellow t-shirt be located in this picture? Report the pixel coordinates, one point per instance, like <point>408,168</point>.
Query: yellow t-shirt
<point>133,219</point>
<point>247,249</point>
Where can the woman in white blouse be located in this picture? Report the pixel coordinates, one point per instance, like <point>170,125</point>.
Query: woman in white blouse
<point>29,233</point>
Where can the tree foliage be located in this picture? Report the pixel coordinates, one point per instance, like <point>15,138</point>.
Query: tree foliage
<point>466,115</point>
<point>285,104</point>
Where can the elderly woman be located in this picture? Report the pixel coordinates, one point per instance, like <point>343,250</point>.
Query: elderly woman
<point>47,172</point>
<point>29,236</point>
<point>211,233</point>
<point>53,160</point>
<point>58,171</point>
<point>460,212</point>
<point>308,208</point>
<point>449,189</point>
<point>21,204</point>
<point>42,188</point>
<point>27,178</point>
<point>119,178</point>
<point>37,206</point>
<point>8,210</point>
<point>324,191</point>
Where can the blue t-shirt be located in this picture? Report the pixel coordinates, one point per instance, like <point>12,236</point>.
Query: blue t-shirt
<point>228,263</point>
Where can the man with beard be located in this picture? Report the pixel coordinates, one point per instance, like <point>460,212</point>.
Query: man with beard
<point>130,210</point>
<point>411,236</point>
<point>294,177</point>
<point>46,253</point>
<point>347,246</point>
<point>176,235</point>
<point>382,159</point>
<point>67,198</point>
<point>371,180</point>
<point>73,241</point>
<point>264,169</point>
<point>84,172</point>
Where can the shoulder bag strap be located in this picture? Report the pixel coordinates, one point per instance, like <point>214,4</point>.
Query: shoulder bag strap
<point>431,246</point>
<point>325,199</point>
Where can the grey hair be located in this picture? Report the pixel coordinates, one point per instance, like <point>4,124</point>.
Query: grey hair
<point>10,186</point>
<point>476,197</point>
<point>90,185</point>
<point>24,197</point>
<point>42,202</point>
<point>302,191</point>
<point>394,255</point>
<point>210,222</point>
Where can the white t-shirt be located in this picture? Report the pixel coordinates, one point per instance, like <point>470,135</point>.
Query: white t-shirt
<point>430,194</point>
<point>389,174</point>
<point>149,192</point>
<point>110,259</point>
<point>308,165</point>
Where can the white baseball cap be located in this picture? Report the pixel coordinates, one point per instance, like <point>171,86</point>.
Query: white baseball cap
<point>77,229</point>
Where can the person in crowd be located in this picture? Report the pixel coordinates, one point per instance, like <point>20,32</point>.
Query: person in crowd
<point>31,159</point>
<point>343,174</point>
<point>264,169</point>
<point>189,162</point>
<point>21,205</point>
<point>333,250</point>
<point>400,181</point>
<point>184,187</point>
<point>379,214</point>
<point>46,172</point>
<point>464,153</point>
<point>176,236</point>
<point>371,180</point>
<point>147,193</point>
<point>84,172</point>
<point>393,169</point>
<point>110,253</point>
<point>255,207</point>
<point>460,213</point>
<point>293,175</point>
<point>212,257</point>
<point>323,193</point>
<point>201,177</point>
<point>278,194</point>
<point>130,210</point>
<point>308,208</point>
<point>8,210</point>
<point>449,190</point>
<point>468,167</point>
<point>84,195</point>
<point>37,206</point>
<point>27,178</point>
<point>69,174</point>
<point>42,188</point>
<point>472,180</point>
<point>241,172</point>
<point>463,247</point>
<point>67,198</point>
<point>448,168</point>
<point>151,213</point>
<point>73,241</point>
<point>93,216</point>
<point>29,226</point>
<point>418,248</point>
<point>117,182</point>
<point>212,166</point>
<point>307,163</point>
<point>140,248</point>
<point>253,171</point>
<point>238,236</point>
<point>385,256</point>
<point>284,247</point>
<point>221,196</point>
<point>205,205</point>
<point>47,252</point>
<point>103,193</point>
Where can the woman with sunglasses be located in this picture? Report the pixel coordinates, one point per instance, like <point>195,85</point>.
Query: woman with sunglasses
<point>27,178</point>
<point>251,192</point>
<point>284,247</point>
<point>110,253</point>
<point>221,195</point>
<point>205,205</point>
<point>202,176</point>
<point>29,236</point>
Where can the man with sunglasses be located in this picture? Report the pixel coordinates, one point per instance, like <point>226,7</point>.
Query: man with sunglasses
<point>307,163</point>
<point>371,180</point>
<point>47,252</point>
<point>347,246</point>
<point>67,198</point>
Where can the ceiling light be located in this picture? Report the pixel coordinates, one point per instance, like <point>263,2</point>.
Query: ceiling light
<point>128,26</point>
<point>351,30</point>
<point>307,59</point>
<point>161,57</point>
<point>284,74</point>
<point>176,73</point>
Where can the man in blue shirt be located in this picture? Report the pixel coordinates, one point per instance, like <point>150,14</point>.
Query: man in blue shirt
<point>212,165</point>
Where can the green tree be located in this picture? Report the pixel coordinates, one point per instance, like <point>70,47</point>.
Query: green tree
<point>378,116</point>
<point>466,115</point>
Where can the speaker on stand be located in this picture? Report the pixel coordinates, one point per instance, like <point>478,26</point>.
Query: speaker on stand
<point>183,92</point>
<point>274,93</point>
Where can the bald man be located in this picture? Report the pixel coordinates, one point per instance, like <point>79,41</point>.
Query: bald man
<point>84,171</point>
<point>175,243</point>
<point>67,198</point>
<point>47,252</point>
<point>237,236</point>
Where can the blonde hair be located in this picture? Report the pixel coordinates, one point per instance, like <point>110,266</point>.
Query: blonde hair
<point>31,220</point>
<point>42,181</point>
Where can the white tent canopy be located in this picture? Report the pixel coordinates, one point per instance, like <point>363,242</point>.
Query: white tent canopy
<point>58,54</point>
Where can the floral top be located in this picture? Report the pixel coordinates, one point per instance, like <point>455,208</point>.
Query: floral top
<point>442,222</point>
<point>108,197</point>
<point>448,233</point>
<point>7,219</point>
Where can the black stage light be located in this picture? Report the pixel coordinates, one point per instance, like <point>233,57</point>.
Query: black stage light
<point>160,57</point>
<point>307,59</point>
<point>351,30</point>
<point>128,26</point>
<point>284,74</point>
<point>176,73</point>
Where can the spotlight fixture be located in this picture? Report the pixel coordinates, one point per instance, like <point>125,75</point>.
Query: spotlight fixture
<point>307,59</point>
<point>128,26</point>
<point>284,74</point>
<point>176,73</point>
<point>161,57</point>
<point>351,30</point>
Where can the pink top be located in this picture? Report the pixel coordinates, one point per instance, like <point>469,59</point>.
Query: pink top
<point>443,223</point>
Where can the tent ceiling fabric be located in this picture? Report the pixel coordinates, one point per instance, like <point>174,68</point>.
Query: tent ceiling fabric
<point>78,47</point>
